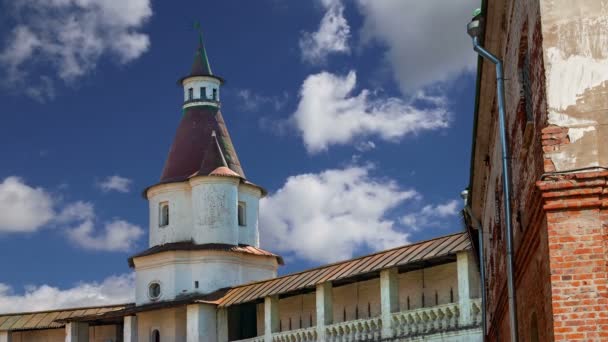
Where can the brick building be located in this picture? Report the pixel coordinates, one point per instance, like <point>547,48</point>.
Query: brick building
<point>555,56</point>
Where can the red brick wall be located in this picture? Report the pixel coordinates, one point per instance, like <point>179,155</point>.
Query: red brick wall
<point>577,216</point>
<point>521,36</point>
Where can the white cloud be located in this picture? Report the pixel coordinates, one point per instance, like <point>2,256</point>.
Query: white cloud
<point>24,208</point>
<point>252,101</point>
<point>328,216</point>
<point>115,183</point>
<point>70,36</point>
<point>432,215</point>
<point>112,290</point>
<point>426,40</point>
<point>77,211</point>
<point>365,146</point>
<point>27,209</point>
<point>118,235</point>
<point>330,114</point>
<point>331,37</point>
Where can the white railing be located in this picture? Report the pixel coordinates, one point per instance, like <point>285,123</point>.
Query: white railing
<point>476,311</point>
<point>404,323</point>
<point>361,329</point>
<point>434,319</point>
<point>304,334</point>
<point>425,320</point>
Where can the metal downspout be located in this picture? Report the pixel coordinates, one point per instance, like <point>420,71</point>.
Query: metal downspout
<point>482,271</point>
<point>500,85</point>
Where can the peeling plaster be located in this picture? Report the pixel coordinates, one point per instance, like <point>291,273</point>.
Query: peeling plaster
<point>565,120</point>
<point>575,133</point>
<point>570,77</point>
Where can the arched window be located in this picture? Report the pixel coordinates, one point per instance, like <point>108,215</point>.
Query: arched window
<point>163,219</point>
<point>203,93</point>
<point>155,336</point>
<point>190,93</point>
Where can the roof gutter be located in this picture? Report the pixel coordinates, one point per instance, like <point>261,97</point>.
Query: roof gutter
<point>474,29</point>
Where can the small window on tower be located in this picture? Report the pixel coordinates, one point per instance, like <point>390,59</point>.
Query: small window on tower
<point>242,214</point>
<point>215,94</point>
<point>163,220</point>
<point>190,93</point>
<point>203,92</point>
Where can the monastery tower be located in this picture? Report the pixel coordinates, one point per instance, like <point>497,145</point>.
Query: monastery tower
<point>203,212</point>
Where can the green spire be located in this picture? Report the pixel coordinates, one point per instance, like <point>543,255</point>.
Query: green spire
<point>201,66</point>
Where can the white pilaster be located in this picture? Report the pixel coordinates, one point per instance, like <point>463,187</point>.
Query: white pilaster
<point>389,299</point>
<point>129,329</point>
<point>324,306</point>
<point>76,332</point>
<point>201,323</point>
<point>222,325</point>
<point>468,285</point>
<point>271,317</point>
<point>5,336</point>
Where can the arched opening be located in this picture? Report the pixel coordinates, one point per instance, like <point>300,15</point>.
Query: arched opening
<point>155,336</point>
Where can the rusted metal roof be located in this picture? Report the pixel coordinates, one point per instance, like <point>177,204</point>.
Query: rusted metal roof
<point>424,251</point>
<point>48,319</point>
<point>201,145</point>
<point>191,246</point>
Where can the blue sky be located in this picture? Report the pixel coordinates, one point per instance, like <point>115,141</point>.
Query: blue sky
<point>355,115</point>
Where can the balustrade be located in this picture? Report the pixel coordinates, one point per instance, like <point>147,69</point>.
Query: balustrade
<point>404,323</point>
<point>299,335</point>
<point>368,329</point>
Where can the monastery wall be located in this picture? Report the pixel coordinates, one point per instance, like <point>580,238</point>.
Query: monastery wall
<point>362,299</point>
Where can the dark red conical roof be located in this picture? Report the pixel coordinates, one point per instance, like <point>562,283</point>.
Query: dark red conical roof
<point>201,145</point>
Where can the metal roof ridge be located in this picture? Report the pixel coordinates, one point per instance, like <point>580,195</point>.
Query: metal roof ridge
<point>348,260</point>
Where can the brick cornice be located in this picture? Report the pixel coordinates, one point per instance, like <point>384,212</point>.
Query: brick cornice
<point>574,191</point>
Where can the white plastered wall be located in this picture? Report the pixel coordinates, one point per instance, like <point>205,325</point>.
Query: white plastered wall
<point>205,210</point>
<point>357,295</point>
<point>437,279</point>
<point>178,196</point>
<point>176,271</point>
<point>249,234</point>
<point>214,205</point>
<point>171,324</point>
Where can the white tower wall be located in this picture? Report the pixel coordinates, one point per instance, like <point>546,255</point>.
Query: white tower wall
<point>249,233</point>
<point>198,82</point>
<point>178,197</point>
<point>214,201</point>
<point>178,271</point>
